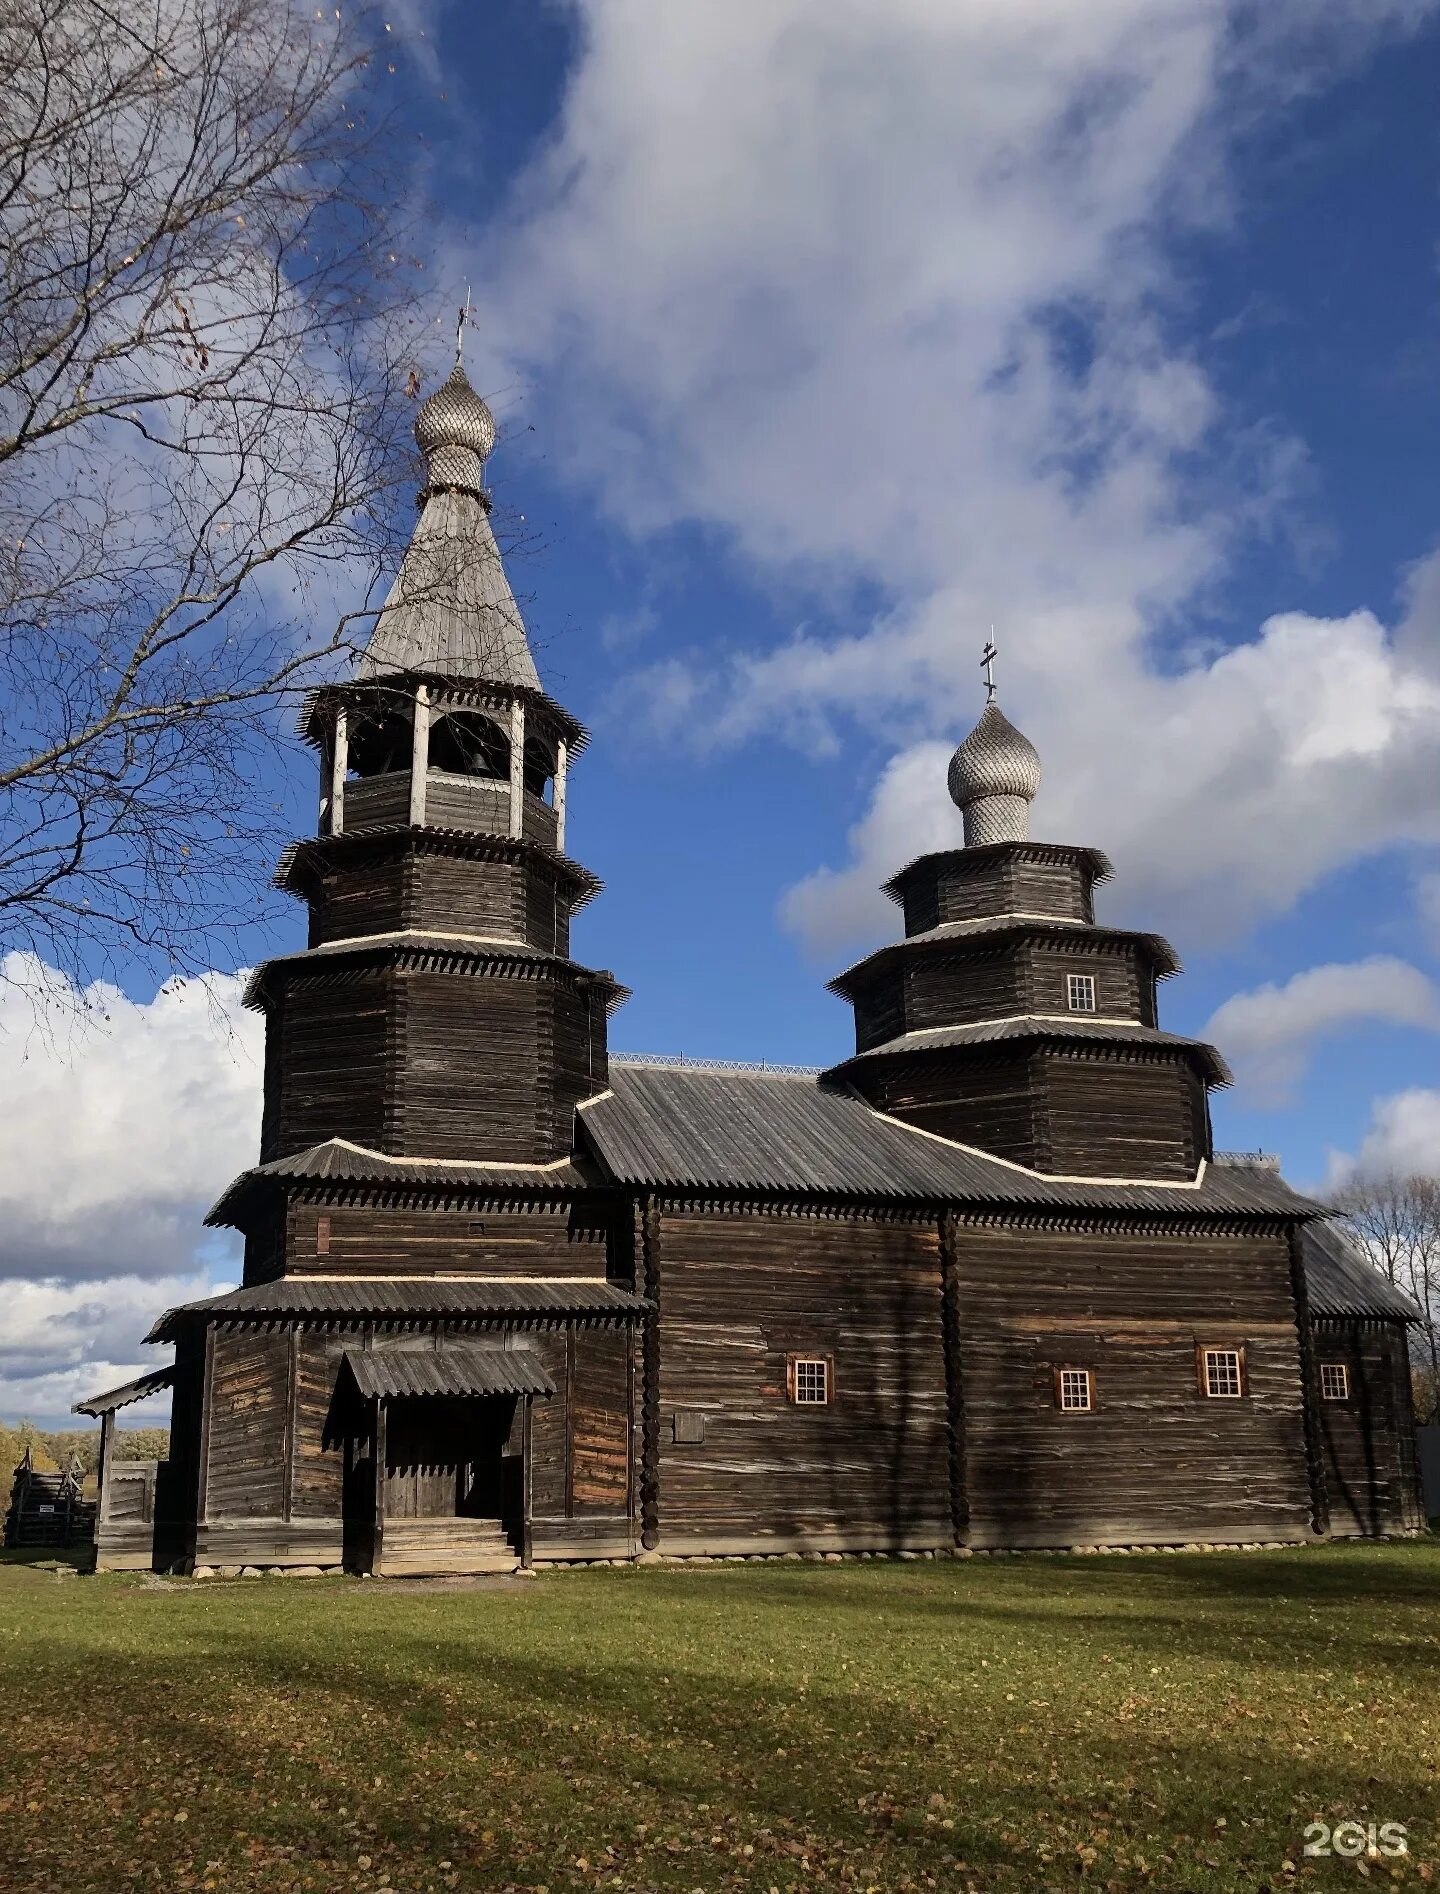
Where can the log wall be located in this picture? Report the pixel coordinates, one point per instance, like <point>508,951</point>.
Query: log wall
<point>741,1293</point>
<point>987,1099</point>
<point>331,1234</point>
<point>1118,1114</point>
<point>275,1447</point>
<point>331,1065</point>
<point>1372,1478</point>
<point>951,888</point>
<point>1157,1461</point>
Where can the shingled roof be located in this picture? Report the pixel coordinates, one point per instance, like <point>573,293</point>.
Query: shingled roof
<point>1342,1281</point>
<point>451,612</point>
<point>1063,1027</point>
<point>407,1300</point>
<point>707,1127</point>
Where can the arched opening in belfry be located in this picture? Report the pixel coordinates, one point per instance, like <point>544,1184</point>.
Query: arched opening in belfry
<point>382,742</point>
<point>539,769</point>
<point>468,743</point>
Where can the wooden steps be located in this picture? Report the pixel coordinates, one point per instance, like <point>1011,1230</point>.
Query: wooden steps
<point>426,1548</point>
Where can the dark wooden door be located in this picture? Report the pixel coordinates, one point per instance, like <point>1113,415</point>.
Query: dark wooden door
<point>444,1455</point>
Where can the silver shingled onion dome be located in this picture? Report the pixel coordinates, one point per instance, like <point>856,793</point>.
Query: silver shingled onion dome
<point>993,779</point>
<point>455,431</point>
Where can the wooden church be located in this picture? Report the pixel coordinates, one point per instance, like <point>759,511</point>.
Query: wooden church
<point>981,1283</point>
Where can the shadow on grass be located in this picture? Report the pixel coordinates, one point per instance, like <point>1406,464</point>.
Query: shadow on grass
<point>625,1698</point>
<point>49,1557</point>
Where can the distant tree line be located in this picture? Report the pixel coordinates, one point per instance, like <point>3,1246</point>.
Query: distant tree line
<point>52,1452</point>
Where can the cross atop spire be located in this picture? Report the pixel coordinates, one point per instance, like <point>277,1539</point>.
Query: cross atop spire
<point>460,329</point>
<point>987,665</point>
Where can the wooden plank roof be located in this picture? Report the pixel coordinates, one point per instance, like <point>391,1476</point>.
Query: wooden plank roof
<point>707,1128</point>
<point>1061,1026</point>
<point>984,928</point>
<point>451,610</point>
<point>406,1298</point>
<point>1342,1281</point>
<point>383,1373</point>
<point>136,1390</point>
<point>338,1160</point>
<point>1095,860</point>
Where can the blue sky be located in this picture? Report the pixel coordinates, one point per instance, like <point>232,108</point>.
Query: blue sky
<point>1310,298</point>
<point>823,336</point>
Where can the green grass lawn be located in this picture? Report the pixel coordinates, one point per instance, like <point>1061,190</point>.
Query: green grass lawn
<point>1157,1721</point>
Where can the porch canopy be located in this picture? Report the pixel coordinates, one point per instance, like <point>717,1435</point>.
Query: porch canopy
<point>384,1374</point>
<point>97,1404</point>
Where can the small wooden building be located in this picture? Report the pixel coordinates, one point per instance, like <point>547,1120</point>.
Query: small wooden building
<point>981,1282</point>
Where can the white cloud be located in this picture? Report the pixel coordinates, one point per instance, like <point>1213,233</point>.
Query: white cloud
<point>1270,1032</point>
<point>881,289</point>
<point>123,1123</point>
<point>66,1340</point>
<point>1404,1137</point>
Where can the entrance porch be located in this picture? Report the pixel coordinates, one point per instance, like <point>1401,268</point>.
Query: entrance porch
<point>438,1458</point>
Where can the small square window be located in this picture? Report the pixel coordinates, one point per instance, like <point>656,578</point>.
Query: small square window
<point>1074,1391</point>
<point>1334,1381</point>
<point>1222,1374</point>
<point>1080,992</point>
<point>810,1380</point>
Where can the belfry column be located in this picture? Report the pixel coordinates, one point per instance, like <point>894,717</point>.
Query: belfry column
<point>339,766</point>
<point>517,768</point>
<point>419,757</point>
<point>562,758</point>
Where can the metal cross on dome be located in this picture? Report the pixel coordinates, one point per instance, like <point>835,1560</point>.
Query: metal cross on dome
<point>460,329</point>
<point>987,665</point>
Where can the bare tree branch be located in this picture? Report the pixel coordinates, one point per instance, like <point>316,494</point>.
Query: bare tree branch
<point>207,338</point>
<point>1396,1220</point>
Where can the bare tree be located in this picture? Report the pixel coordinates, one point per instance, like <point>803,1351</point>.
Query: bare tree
<point>1397,1222</point>
<point>206,334</point>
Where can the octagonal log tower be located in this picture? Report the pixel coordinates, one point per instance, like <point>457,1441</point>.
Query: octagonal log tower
<point>1008,1018</point>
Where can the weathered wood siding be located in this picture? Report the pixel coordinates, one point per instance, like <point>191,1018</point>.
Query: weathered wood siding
<point>954,989</point>
<point>361,897</point>
<point>1103,1114</point>
<point>491,1064</point>
<point>879,1009</point>
<point>599,1402</point>
<point>1157,1461</point>
<point>952,889</point>
<point>451,894</point>
<point>361,1238</point>
<point>964,985</point>
<point>1122,986</point>
<point>987,1099</point>
<point>248,1423</point>
<point>333,1062</point>
<point>739,1294</point>
<point>1092,1112</point>
<point>377,802</point>
<point>1372,1477</point>
<point>317,1458</point>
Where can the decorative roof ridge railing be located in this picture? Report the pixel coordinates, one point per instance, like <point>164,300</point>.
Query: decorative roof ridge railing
<point>1247,1160</point>
<point>679,1061</point>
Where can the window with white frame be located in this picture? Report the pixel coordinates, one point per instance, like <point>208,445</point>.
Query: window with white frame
<point>1080,992</point>
<point>1222,1374</point>
<point>1334,1381</point>
<point>810,1380</point>
<point>1074,1391</point>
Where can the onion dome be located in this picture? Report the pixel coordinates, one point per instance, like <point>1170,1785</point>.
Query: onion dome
<point>455,431</point>
<point>993,779</point>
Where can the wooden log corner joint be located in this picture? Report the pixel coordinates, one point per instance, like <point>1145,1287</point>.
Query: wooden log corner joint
<point>508,1299</point>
